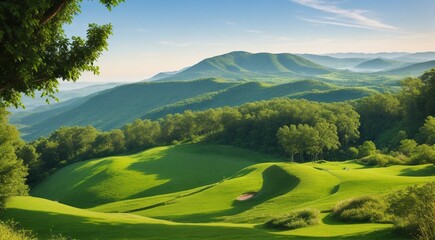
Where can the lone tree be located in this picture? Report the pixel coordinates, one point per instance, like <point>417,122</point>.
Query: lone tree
<point>12,171</point>
<point>35,52</point>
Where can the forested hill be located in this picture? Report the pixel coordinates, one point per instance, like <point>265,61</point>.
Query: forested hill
<point>240,66</point>
<point>116,107</point>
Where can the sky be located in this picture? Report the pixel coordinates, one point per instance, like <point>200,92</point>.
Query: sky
<point>152,36</point>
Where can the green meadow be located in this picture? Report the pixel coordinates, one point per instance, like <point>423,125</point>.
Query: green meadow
<point>191,191</point>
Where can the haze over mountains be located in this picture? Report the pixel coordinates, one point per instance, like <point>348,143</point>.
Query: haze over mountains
<point>227,80</point>
<point>268,67</point>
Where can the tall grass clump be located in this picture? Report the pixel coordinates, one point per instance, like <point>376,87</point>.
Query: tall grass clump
<point>10,231</point>
<point>296,219</point>
<point>361,209</point>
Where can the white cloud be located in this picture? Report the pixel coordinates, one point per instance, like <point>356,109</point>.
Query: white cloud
<point>345,17</point>
<point>253,31</point>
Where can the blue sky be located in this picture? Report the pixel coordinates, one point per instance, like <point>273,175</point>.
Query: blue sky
<point>152,36</point>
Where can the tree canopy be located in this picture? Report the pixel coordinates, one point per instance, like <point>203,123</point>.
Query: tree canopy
<point>35,52</point>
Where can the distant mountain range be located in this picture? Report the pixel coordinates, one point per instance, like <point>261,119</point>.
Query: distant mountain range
<point>227,80</point>
<point>398,56</point>
<point>280,68</point>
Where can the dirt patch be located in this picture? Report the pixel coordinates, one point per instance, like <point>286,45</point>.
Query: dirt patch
<point>246,196</point>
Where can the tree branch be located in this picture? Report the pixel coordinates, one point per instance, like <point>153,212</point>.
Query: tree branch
<point>53,11</point>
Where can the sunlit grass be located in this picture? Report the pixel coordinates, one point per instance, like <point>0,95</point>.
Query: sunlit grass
<point>191,191</point>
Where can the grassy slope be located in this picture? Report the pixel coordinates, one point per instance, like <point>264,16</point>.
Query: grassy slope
<point>46,218</point>
<point>163,177</point>
<point>153,172</point>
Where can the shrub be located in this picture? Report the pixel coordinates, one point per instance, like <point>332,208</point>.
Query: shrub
<point>413,211</point>
<point>423,154</point>
<point>380,160</point>
<point>9,231</point>
<point>296,219</point>
<point>360,209</point>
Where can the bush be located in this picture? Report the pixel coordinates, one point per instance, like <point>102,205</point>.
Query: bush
<point>366,149</point>
<point>380,160</point>
<point>360,209</point>
<point>296,219</point>
<point>413,211</point>
<point>352,152</point>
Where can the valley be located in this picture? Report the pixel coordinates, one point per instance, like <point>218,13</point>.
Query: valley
<point>217,120</point>
<point>169,191</point>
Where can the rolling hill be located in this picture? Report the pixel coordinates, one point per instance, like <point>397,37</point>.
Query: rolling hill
<point>192,191</point>
<point>115,107</point>
<point>378,64</point>
<point>416,69</point>
<point>243,66</point>
<point>255,91</point>
<point>63,95</point>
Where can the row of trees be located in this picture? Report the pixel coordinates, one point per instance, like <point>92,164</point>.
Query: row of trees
<point>304,139</point>
<point>277,126</point>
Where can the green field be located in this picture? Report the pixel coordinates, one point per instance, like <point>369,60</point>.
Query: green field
<point>190,192</point>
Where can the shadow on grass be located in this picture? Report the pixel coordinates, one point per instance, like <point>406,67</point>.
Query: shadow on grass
<point>191,166</point>
<point>88,181</point>
<point>427,171</point>
<point>276,182</point>
<point>45,224</point>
